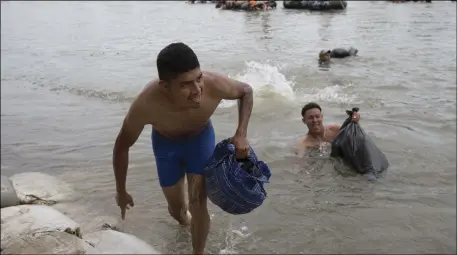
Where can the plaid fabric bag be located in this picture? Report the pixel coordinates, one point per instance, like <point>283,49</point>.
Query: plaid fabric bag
<point>237,187</point>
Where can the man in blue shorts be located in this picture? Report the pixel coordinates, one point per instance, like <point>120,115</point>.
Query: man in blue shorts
<point>178,106</point>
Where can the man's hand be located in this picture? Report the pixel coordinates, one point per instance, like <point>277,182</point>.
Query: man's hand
<point>124,200</point>
<point>355,117</point>
<point>242,148</point>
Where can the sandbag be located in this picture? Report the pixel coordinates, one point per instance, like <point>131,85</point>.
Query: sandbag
<point>236,187</point>
<point>357,149</point>
<point>54,242</point>
<point>40,188</point>
<point>8,195</point>
<point>89,219</point>
<point>114,242</point>
<point>25,220</point>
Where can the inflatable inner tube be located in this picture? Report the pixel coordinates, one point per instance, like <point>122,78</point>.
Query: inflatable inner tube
<point>230,5</point>
<point>315,5</point>
<point>343,53</point>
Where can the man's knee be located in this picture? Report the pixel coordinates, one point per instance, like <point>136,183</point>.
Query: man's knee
<point>197,204</point>
<point>197,193</point>
<point>175,197</point>
<point>177,210</point>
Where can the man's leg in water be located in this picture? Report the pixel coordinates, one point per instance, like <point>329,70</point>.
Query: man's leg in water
<point>169,158</point>
<point>198,153</point>
<point>200,221</point>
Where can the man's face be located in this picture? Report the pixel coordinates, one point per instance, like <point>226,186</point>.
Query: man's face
<point>314,120</point>
<point>186,89</point>
<point>325,56</point>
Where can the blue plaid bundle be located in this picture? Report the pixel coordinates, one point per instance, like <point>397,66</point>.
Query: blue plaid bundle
<point>237,187</point>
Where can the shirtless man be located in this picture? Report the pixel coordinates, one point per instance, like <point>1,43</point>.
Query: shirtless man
<point>179,106</point>
<point>318,133</point>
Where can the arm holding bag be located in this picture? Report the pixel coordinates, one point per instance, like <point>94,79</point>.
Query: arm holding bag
<point>237,187</point>
<point>357,149</point>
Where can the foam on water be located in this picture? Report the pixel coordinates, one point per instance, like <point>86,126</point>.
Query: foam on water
<point>333,94</point>
<point>266,80</point>
<point>233,237</point>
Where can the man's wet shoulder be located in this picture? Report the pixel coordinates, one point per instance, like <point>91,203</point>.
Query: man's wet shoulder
<point>149,92</point>
<point>149,96</point>
<point>213,78</point>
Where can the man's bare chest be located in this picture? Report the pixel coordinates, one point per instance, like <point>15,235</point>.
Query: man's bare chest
<point>182,118</point>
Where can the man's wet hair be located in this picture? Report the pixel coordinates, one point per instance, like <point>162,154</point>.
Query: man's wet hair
<point>175,59</point>
<point>309,106</point>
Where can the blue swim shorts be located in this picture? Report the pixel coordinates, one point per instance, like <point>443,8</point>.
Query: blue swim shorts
<point>189,155</point>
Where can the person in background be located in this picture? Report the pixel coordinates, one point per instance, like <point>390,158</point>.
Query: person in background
<point>252,4</point>
<point>318,133</point>
<point>324,56</point>
<point>178,106</point>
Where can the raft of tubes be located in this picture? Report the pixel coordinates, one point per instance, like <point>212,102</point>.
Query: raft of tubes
<point>245,5</point>
<point>315,5</point>
<point>403,1</point>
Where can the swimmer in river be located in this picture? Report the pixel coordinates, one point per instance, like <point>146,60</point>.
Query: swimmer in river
<point>178,106</point>
<point>318,133</point>
<point>325,55</point>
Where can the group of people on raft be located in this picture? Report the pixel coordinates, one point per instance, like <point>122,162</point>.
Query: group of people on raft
<point>246,5</point>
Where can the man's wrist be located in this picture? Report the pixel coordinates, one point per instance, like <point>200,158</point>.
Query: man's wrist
<point>240,132</point>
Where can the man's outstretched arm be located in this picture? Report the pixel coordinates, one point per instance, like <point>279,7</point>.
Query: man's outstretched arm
<point>231,89</point>
<point>130,131</point>
<point>227,88</point>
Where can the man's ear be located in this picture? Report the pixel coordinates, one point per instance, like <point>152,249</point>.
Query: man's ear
<point>303,120</point>
<point>163,84</point>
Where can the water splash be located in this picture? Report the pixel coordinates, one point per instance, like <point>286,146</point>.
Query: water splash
<point>267,82</point>
<point>271,85</point>
<point>233,237</point>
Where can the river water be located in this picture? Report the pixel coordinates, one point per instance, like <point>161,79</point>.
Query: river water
<point>70,69</point>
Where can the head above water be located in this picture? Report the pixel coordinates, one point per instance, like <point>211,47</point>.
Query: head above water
<point>324,55</point>
<point>180,75</point>
<point>312,117</point>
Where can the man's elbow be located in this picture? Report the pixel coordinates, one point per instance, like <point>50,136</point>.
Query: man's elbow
<point>120,147</point>
<point>247,91</point>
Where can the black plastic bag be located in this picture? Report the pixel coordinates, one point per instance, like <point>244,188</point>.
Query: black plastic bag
<point>357,149</point>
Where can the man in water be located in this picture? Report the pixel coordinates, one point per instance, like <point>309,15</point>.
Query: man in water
<point>318,133</point>
<point>178,106</point>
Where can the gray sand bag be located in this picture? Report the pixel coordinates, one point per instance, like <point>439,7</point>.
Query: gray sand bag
<point>8,195</point>
<point>54,242</point>
<point>25,220</point>
<point>40,188</point>
<point>114,242</point>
